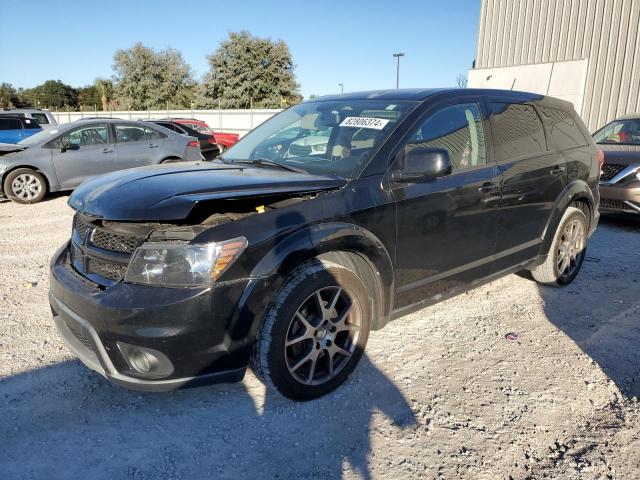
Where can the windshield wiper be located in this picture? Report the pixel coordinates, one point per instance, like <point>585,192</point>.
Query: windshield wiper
<point>268,162</point>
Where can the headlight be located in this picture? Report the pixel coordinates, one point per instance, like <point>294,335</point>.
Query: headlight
<point>319,148</point>
<point>183,265</point>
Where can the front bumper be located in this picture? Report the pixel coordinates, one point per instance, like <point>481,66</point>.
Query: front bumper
<point>206,333</point>
<point>620,198</point>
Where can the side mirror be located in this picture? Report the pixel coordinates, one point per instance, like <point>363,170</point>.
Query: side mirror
<point>423,163</point>
<point>66,145</point>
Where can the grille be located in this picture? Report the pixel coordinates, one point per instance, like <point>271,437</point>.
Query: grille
<point>80,227</point>
<point>610,170</point>
<point>112,271</point>
<point>115,242</point>
<point>81,334</point>
<point>615,205</point>
<point>300,150</point>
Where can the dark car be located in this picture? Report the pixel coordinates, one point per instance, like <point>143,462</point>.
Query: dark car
<point>180,275</point>
<point>208,146</point>
<point>620,179</point>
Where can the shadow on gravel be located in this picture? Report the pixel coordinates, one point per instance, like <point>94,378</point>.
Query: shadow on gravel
<point>600,310</point>
<point>64,421</point>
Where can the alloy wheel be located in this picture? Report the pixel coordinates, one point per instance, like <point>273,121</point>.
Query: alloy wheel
<point>322,335</point>
<point>26,186</point>
<point>571,249</point>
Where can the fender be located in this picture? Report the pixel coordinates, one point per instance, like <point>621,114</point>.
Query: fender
<point>52,183</point>
<point>312,242</point>
<point>577,190</point>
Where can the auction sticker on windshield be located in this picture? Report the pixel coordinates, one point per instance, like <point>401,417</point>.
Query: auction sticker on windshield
<point>364,122</point>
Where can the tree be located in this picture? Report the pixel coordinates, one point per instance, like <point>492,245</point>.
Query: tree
<point>8,96</point>
<point>149,79</point>
<point>461,81</point>
<point>105,91</point>
<point>88,97</point>
<point>247,70</point>
<point>52,93</point>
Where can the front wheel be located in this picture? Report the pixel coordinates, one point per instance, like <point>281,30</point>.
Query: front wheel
<point>567,251</point>
<point>314,333</point>
<point>25,186</point>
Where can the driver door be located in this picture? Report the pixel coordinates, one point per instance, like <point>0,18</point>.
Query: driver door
<point>82,153</point>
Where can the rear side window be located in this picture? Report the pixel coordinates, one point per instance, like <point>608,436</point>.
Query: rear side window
<point>10,124</point>
<point>30,123</point>
<point>459,130</point>
<point>152,134</point>
<point>129,133</point>
<point>41,118</point>
<point>565,131</point>
<point>518,131</point>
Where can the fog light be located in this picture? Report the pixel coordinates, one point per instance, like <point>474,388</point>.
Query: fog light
<point>146,362</point>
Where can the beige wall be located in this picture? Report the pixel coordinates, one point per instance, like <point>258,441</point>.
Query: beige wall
<point>604,33</point>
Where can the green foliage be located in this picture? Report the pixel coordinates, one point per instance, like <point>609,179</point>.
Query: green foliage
<point>105,90</point>
<point>52,94</point>
<point>146,79</point>
<point>89,97</point>
<point>248,70</point>
<point>8,96</point>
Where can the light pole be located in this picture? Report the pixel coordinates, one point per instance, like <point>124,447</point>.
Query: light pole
<point>341,87</point>
<point>398,55</point>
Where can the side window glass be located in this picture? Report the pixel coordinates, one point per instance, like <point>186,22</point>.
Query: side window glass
<point>517,132</point>
<point>10,124</point>
<point>565,131</point>
<point>129,133</point>
<point>41,118</point>
<point>152,134</point>
<point>85,136</point>
<point>459,130</point>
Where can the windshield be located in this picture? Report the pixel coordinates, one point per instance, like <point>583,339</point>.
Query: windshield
<point>39,137</point>
<point>620,132</point>
<point>323,138</point>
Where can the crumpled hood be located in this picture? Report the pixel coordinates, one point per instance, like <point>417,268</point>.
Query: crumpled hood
<point>621,154</point>
<point>169,192</point>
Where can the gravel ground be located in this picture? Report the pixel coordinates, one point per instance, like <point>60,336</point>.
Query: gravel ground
<point>440,394</point>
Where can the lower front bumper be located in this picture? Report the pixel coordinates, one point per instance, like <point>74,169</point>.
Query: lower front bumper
<point>84,342</point>
<point>620,198</point>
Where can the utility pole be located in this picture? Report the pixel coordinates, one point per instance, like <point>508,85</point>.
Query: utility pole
<point>341,87</point>
<point>398,55</point>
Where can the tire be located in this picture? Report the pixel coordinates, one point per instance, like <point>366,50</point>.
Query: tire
<point>293,330</point>
<point>567,252</point>
<point>25,186</point>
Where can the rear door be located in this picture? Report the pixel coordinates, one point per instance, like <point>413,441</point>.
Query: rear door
<point>447,227</point>
<point>87,151</point>
<point>137,145</point>
<point>532,174</point>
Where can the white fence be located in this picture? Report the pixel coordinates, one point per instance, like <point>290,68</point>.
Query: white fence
<point>232,121</point>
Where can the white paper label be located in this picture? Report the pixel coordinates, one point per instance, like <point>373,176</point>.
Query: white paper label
<point>365,122</point>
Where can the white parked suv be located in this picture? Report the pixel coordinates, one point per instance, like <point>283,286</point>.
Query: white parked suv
<point>44,117</point>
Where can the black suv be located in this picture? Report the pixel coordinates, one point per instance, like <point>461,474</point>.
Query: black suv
<point>325,222</point>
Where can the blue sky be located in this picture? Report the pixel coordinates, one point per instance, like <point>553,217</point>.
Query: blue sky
<point>332,42</point>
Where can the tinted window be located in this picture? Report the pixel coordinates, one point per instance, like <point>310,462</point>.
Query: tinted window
<point>41,118</point>
<point>459,130</point>
<point>89,135</point>
<point>518,131</point>
<point>152,134</point>
<point>129,133</point>
<point>30,123</point>
<point>10,124</point>
<point>565,131</point>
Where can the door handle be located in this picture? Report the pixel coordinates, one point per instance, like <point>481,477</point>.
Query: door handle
<point>489,187</point>
<point>558,170</point>
<point>107,150</point>
<point>152,145</point>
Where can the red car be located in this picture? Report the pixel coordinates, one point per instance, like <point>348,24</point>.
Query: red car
<point>225,140</point>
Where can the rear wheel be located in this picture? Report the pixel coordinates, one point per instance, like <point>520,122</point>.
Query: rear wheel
<point>315,332</point>
<point>25,186</point>
<point>567,251</point>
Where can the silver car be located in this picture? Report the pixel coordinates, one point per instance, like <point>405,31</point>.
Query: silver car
<point>62,157</point>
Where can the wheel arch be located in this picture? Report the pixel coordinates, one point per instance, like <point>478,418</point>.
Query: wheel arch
<point>47,180</point>
<point>348,245</point>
